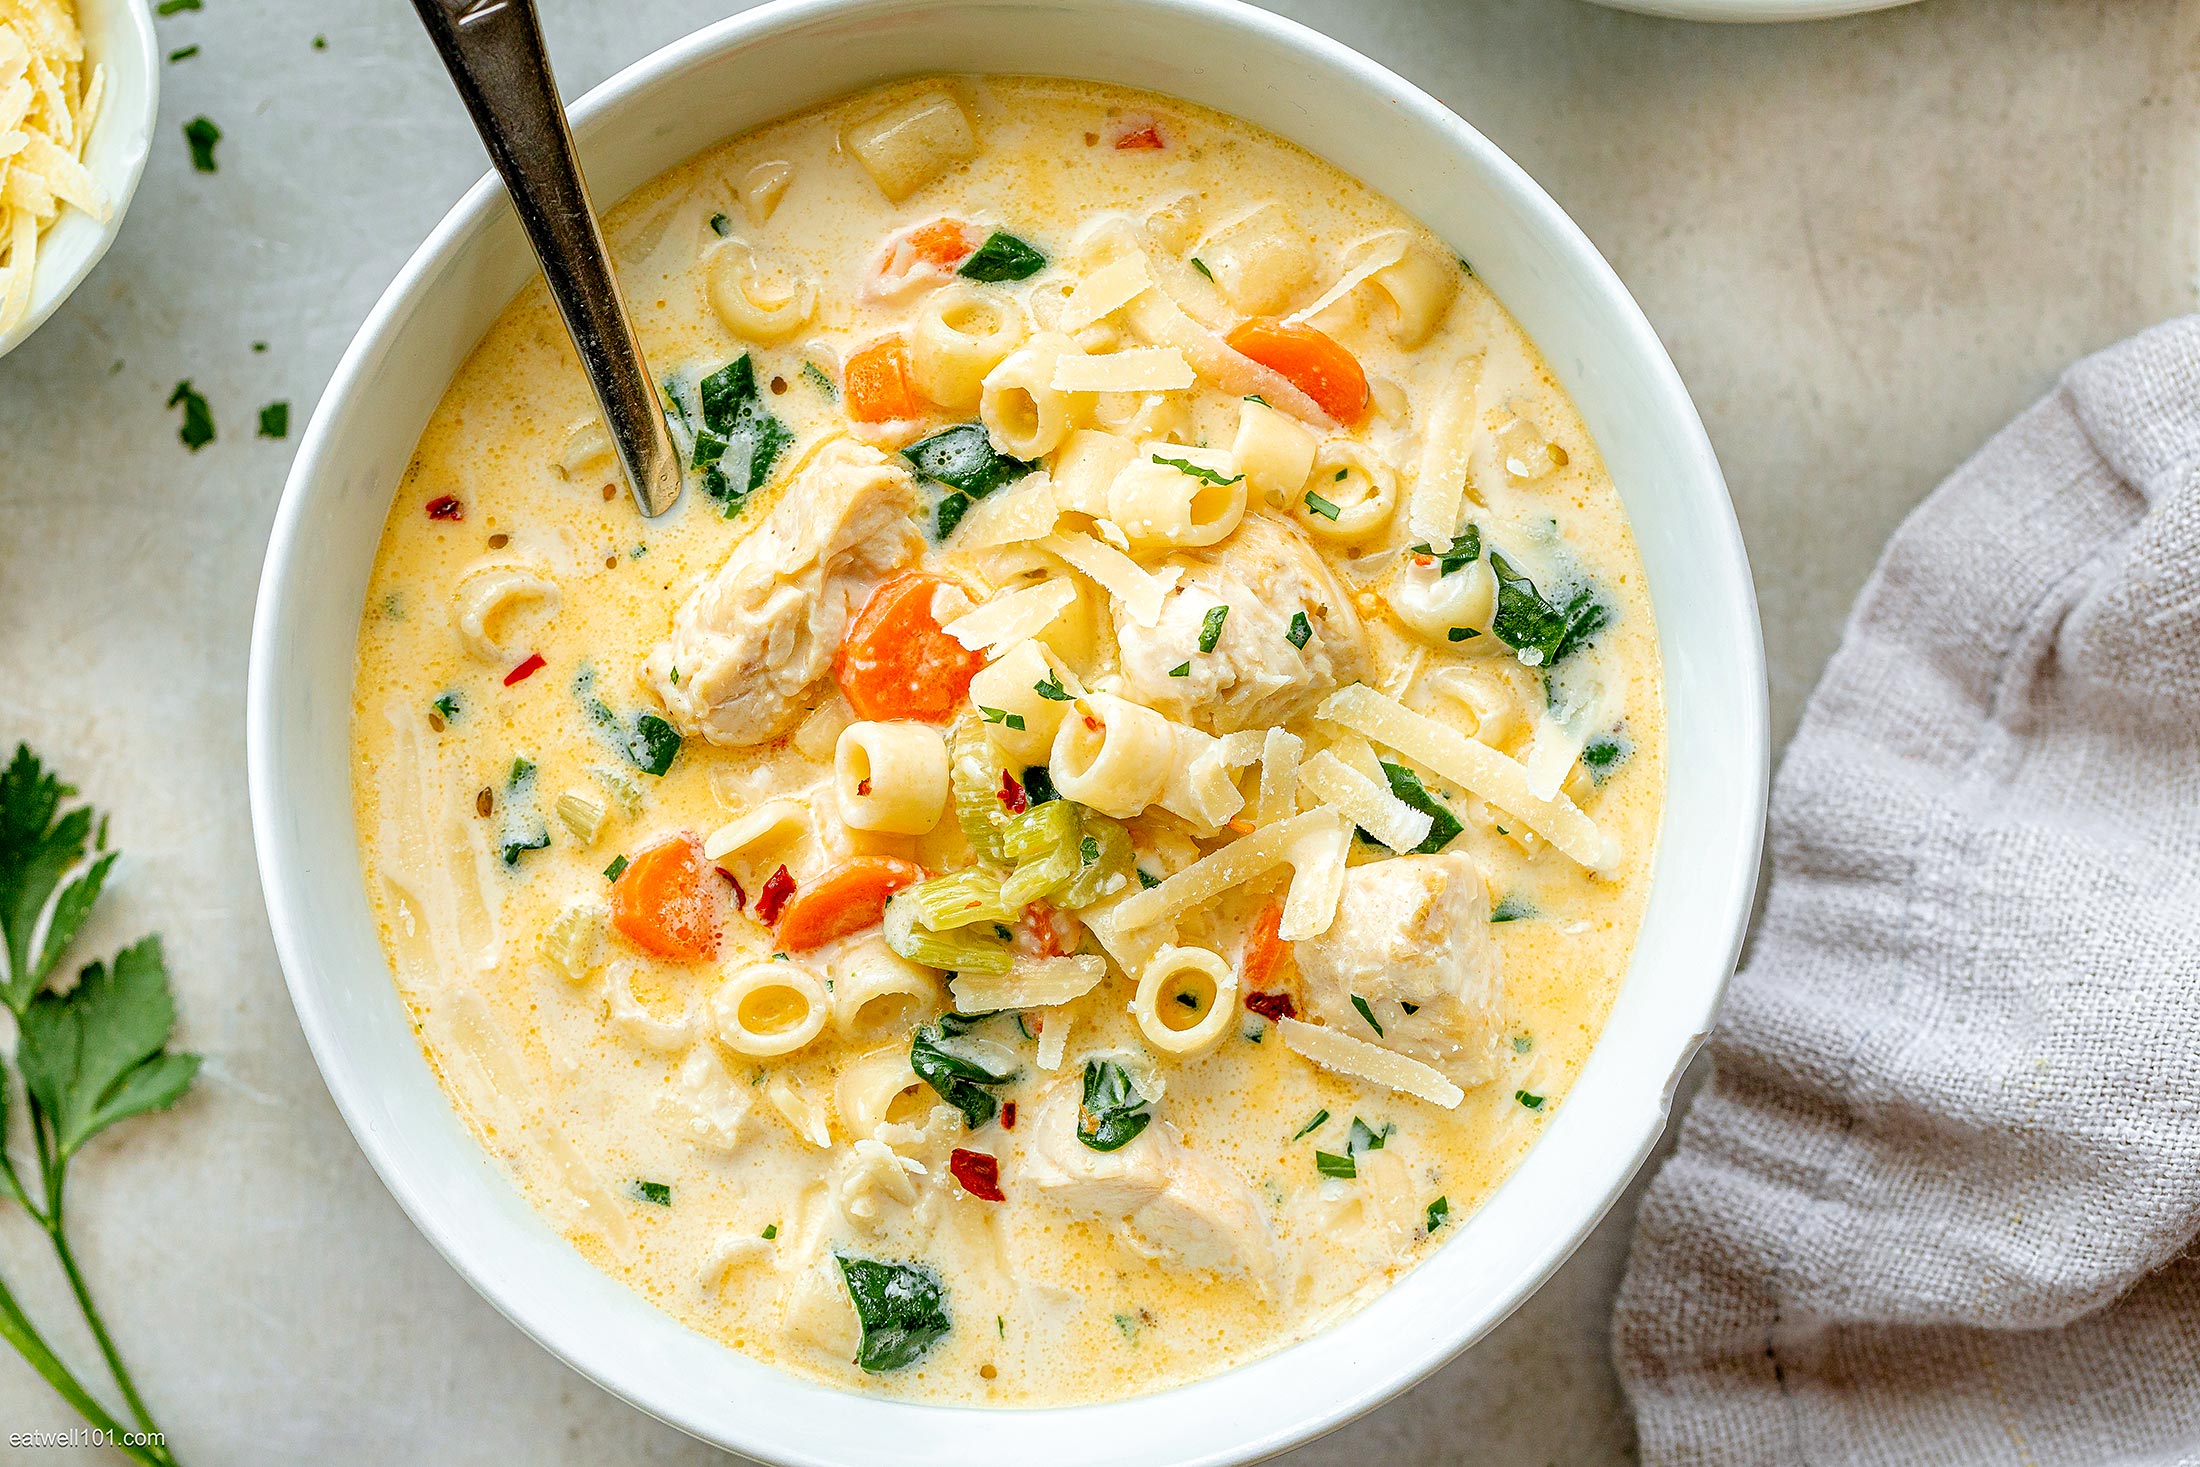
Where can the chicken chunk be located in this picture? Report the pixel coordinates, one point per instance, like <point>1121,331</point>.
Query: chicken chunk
<point>1413,931</point>
<point>1258,674</point>
<point>751,643</point>
<point>1166,1200</point>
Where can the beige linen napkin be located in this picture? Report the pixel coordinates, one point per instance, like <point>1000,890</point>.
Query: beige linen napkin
<point>1938,1203</point>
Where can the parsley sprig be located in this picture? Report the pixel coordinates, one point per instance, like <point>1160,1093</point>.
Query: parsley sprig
<point>88,1058</point>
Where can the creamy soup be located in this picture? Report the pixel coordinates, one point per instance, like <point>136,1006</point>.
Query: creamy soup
<point>1111,813</point>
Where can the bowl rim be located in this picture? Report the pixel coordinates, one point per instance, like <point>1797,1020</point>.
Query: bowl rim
<point>1738,839</point>
<point>88,240</point>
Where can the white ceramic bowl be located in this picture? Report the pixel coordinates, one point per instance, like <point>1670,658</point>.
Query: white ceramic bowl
<point>1752,10</point>
<point>118,34</point>
<point>761,65</point>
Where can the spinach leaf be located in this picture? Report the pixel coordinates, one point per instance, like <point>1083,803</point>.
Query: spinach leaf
<point>901,1306</point>
<point>1113,1112</point>
<point>1443,828</point>
<point>963,458</point>
<point>1002,257</point>
<point>960,1071</point>
<point>1466,549</point>
<point>1329,1164</point>
<point>650,742</point>
<point>1039,785</point>
<point>1364,1138</point>
<point>740,440</point>
<point>1604,754</point>
<point>1542,633</point>
<point>524,828</point>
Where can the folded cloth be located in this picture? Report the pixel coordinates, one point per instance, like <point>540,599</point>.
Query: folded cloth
<point>1938,1201</point>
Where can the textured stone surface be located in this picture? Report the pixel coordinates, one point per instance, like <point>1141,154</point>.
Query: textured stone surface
<point>1866,242</point>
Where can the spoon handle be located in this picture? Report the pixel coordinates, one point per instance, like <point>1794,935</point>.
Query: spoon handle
<point>494,52</point>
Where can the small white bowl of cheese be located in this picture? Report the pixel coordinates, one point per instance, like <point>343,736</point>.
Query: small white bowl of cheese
<point>79,91</point>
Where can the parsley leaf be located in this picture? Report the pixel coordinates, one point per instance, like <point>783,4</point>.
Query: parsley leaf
<point>201,134</point>
<point>720,225</point>
<point>1311,1126</point>
<point>1113,1112</point>
<point>1466,549</point>
<point>1210,630</point>
<point>41,849</point>
<point>657,1194</point>
<point>1320,505</point>
<point>1002,716</point>
<point>1301,630</point>
<point>1367,1014</point>
<point>1050,688</point>
<point>99,1054</point>
<point>1542,633</point>
<point>1002,257</point>
<point>1329,1164</point>
<point>1182,669</point>
<point>813,374</point>
<point>901,1306</point>
<point>275,420</point>
<point>1511,909</point>
<point>1602,755</point>
<point>1200,472</point>
<point>198,419</point>
<point>1437,1212</point>
<point>1201,266</point>
<point>1532,1102</point>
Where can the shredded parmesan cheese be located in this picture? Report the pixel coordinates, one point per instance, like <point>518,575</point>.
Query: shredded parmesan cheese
<point>1377,254</point>
<point>1215,873</point>
<point>1372,1063</point>
<point>1012,617</point>
<point>1365,803</point>
<point>772,820</point>
<point>1025,510</point>
<point>802,1114</point>
<point>47,107</point>
<point>1138,589</point>
<point>1317,881</point>
<point>1447,456</point>
<point>1474,767</point>
<point>1105,291</point>
<point>1033,983</point>
<point>1140,369</point>
<point>1053,1039</point>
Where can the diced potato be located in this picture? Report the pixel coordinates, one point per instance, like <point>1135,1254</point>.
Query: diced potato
<point>1260,260</point>
<point>910,145</point>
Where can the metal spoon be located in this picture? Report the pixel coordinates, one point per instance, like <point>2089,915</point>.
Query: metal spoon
<point>494,52</point>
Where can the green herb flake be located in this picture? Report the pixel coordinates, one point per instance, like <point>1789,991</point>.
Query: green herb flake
<point>1002,257</point>
<point>656,1194</point>
<point>1182,669</point>
<point>1128,1324</point>
<point>1050,688</point>
<point>275,420</point>
<point>1039,785</point>
<point>198,418</point>
<point>1088,851</point>
<point>1532,1102</point>
<point>1200,472</point>
<point>1522,1044</point>
<point>1301,630</point>
<point>771,1231</point>
<point>1113,1113</point>
<point>720,225</point>
<point>1210,630</point>
<point>1511,909</point>
<point>447,705</point>
<point>616,869</point>
<point>1410,1009</point>
<point>201,134</point>
<point>182,53</point>
<point>320,43</point>
<point>1364,1138</point>
<point>1367,1014</point>
<point>1201,266</point>
<point>902,1308</point>
<point>1602,755</point>
<point>1465,550</point>
<point>1329,1164</point>
<point>1460,634</point>
<point>177,7</point>
<point>1256,397</point>
<point>1147,881</point>
<point>1321,1118</point>
<point>1437,1212</point>
<point>1003,717</point>
<point>1320,506</point>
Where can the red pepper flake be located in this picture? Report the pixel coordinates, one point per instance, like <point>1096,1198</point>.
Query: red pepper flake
<point>1272,1005</point>
<point>778,888</point>
<point>446,508</point>
<point>1012,794</point>
<point>863,786</point>
<point>1008,1116</point>
<point>979,1172</point>
<point>740,897</point>
<point>1145,137</point>
<point>525,670</point>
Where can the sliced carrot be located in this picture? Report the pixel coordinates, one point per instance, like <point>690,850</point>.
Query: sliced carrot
<point>666,901</point>
<point>1314,363</point>
<point>845,900</point>
<point>942,243</point>
<point>1265,951</point>
<point>1139,135</point>
<point>895,662</point>
<point>877,383</point>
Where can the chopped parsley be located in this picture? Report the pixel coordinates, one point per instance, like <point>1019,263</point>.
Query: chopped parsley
<point>720,225</point>
<point>902,1308</point>
<point>740,440</point>
<point>1602,755</point>
<point>1511,909</point>
<point>524,828</point>
<point>1256,397</point>
<point>1522,1044</point>
<point>198,419</point>
<point>616,869</point>
<point>650,742</point>
<point>657,1194</point>
<point>1329,1164</point>
<point>1540,632</point>
<point>1050,688</point>
<point>201,134</point>
<point>275,420</point>
<point>1301,630</point>
<point>1210,630</point>
<point>176,7</point>
<point>1002,257</point>
<point>1465,550</point>
<point>1364,1138</point>
<point>1147,881</point>
<point>771,1231</point>
<point>1113,1113</point>
<point>1088,851</point>
<point>1444,827</point>
<point>1003,716</point>
<point>1200,472</point>
<point>1460,634</point>
<point>1182,669</point>
<point>1321,1117</point>
<point>1532,1102</point>
<point>1437,1212</point>
<point>447,705</point>
<point>182,53</point>
<point>1367,1014</point>
<point>1320,505</point>
<point>1201,266</point>
<point>963,459</point>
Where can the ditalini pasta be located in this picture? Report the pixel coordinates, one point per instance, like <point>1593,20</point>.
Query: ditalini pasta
<point>1123,791</point>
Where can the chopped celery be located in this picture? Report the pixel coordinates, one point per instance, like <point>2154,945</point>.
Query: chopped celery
<point>960,951</point>
<point>581,815</point>
<point>574,942</point>
<point>975,779</point>
<point>1040,830</point>
<point>1109,870</point>
<point>960,900</point>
